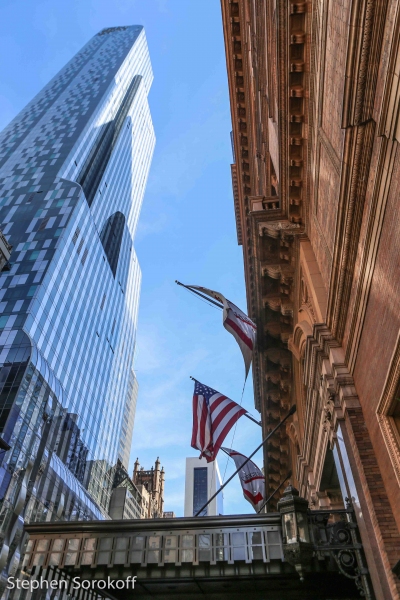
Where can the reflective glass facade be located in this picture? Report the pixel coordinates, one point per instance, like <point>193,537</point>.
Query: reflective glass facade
<point>73,169</point>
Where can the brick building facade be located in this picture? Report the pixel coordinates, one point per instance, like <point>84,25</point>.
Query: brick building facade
<point>315,101</point>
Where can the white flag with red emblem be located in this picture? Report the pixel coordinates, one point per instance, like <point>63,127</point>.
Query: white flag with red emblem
<point>251,478</point>
<point>213,417</point>
<point>237,323</point>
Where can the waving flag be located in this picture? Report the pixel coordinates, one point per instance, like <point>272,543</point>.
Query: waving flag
<point>213,417</point>
<point>251,478</point>
<point>237,323</point>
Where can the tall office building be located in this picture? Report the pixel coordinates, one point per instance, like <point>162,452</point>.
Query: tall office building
<point>202,480</point>
<point>73,170</point>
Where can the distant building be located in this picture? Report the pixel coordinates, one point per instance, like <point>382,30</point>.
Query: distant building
<point>169,515</point>
<point>126,500</point>
<point>202,480</point>
<point>151,488</point>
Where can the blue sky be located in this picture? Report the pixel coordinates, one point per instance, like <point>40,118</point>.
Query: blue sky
<point>187,227</point>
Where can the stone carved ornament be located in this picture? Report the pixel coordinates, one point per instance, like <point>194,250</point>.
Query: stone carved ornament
<point>273,228</point>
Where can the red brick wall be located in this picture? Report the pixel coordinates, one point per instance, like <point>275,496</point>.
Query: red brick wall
<point>362,239</point>
<point>327,198</point>
<point>323,215</point>
<point>335,69</point>
<point>386,532</point>
<point>379,334</point>
<point>321,250</point>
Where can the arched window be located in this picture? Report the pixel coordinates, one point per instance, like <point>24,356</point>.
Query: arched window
<point>111,238</point>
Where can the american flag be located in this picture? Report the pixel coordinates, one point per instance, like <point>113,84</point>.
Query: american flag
<point>213,417</point>
<point>237,323</point>
<point>243,330</point>
<point>251,478</point>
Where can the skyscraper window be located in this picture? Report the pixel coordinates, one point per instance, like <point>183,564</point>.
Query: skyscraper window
<point>111,238</point>
<point>199,490</point>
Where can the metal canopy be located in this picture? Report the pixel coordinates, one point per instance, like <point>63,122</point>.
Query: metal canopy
<point>238,556</point>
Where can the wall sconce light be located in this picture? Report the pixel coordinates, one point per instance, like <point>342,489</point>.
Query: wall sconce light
<point>297,549</point>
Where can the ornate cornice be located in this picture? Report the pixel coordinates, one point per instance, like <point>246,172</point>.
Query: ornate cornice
<point>235,189</point>
<point>274,228</point>
<point>283,101</point>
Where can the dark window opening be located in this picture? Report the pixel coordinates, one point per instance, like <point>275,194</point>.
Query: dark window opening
<point>80,246</point>
<point>84,256</point>
<point>76,235</point>
<point>43,224</point>
<point>111,238</point>
<point>199,490</point>
<point>96,163</point>
<point>330,482</point>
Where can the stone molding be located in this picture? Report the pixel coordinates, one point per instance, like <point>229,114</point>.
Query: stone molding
<point>389,125</point>
<point>386,404</point>
<point>274,228</point>
<point>331,393</point>
<point>363,56</point>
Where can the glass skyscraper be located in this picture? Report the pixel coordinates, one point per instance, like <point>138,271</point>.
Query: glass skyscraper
<point>73,170</point>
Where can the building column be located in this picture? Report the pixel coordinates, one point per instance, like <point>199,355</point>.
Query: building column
<point>336,413</point>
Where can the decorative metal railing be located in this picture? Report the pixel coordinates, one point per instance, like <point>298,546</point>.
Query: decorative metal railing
<point>334,535</point>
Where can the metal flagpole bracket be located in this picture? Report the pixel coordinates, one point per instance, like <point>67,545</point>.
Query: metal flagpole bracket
<point>253,419</point>
<point>290,413</point>
<point>288,476</point>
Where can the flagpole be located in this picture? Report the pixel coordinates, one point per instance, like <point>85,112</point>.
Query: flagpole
<point>223,450</point>
<point>245,414</point>
<point>274,492</point>
<point>221,306</point>
<point>253,419</point>
<point>291,412</point>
